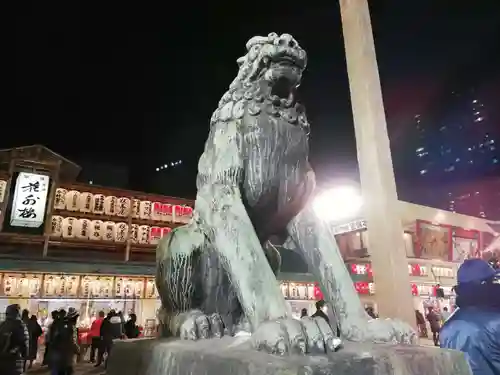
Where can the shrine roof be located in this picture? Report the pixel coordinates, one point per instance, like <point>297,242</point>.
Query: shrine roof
<point>41,155</point>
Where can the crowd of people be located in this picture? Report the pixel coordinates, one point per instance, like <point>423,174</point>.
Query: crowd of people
<point>474,325</point>
<point>435,319</point>
<point>20,333</point>
<point>473,328</point>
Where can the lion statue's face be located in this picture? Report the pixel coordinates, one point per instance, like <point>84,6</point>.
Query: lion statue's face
<point>277,59</point>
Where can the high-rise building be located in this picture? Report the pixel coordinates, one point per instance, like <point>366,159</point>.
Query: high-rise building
<point>450,159</point>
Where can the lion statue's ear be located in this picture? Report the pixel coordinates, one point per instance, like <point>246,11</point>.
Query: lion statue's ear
<point>255,41</point>
<point>241,61</point>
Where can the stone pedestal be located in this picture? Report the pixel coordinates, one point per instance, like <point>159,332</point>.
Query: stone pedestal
<point>224,356</point>
<point>385,232</point>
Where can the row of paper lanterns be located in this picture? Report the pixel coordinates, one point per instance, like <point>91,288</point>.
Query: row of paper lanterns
<point>30,285</point>
<point>98,230</point>
<point>100,204</point>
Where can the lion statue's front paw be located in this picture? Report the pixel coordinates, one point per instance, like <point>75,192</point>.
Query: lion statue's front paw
<point>291,336</point>
<point>194,325</point>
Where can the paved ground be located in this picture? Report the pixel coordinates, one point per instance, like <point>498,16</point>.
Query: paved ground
<point>80,369</point>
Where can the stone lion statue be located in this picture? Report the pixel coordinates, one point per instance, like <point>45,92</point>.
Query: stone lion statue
<point>217,275</point>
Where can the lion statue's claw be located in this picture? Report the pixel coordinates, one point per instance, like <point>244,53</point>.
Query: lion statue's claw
<point>291,336</point>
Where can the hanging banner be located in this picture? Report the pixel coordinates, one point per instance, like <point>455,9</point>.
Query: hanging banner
<point>30,198</point>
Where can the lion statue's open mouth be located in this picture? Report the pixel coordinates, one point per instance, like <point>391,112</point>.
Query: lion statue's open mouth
<point>267,81</point>
<point>278,60</point>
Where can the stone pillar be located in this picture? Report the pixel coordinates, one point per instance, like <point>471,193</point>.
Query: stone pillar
<point>386,245</point>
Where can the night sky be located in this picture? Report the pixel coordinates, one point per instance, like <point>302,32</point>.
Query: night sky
<point>135,84</point>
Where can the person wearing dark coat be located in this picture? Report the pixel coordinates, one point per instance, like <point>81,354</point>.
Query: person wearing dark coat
<point>35,331</point>
<point>371,313</point>
<point>54,316</point>
<point>131,328</point>
<point>63,342</point>
<point>12,358</point>
<point>111,329</point>
<point>435,323</point>
<point>422,327</point>
<point>25,317</point>
<point>320,311</point>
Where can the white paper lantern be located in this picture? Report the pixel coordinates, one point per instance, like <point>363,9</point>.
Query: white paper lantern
<point>166,212</point>
<point>98,204</point>
<point>136,203</point>
<point>121,232</point>
<point>177,212</point>
<point>77,225</point>
<point>156,211</point>
<point>144,234</point>
<point>123,207</point>
<point>85,202</point>
<point>71,199</point>
<point>134,233</point>
<point>110,205</point>
<point>109,231</point>
<point>145,210</point>
<point>187,214</point>
<point>68,227</point>
<point>60,199</point>
<point>96,229</point>
<point>56,226</point>
<point>3,187</point>
<point>83,227</point>
<point>155,235</point>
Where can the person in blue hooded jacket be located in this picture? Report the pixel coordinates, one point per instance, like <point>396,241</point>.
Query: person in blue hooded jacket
<point>474,328</point>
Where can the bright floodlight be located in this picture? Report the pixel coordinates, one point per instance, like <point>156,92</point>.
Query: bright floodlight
<point>339,203</point>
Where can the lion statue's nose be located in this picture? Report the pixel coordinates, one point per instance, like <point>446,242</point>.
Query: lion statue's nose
<point>286,40</point>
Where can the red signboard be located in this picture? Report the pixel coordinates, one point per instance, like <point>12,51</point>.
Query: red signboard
<point>187,211</point>
<point>362,287</point>
<point>318,295</point>
<point>362,269</point>
<point>414,289</point>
